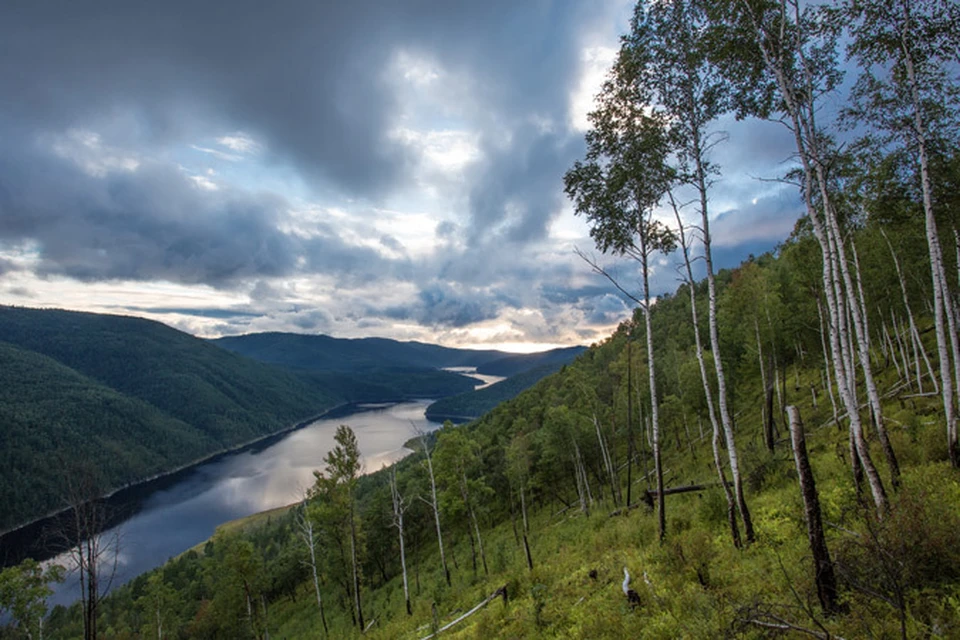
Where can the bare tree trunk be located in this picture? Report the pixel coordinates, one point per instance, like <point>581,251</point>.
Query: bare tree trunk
<point>523,511</point>
<point>356,568</point>
<point>942,307</point>
<point>583,486</point>
<point>873,396</point>
<point>705,380</point>
<point>824,575</point>
<point>607,462</point>
<point>904,358</point>
<point>629,420</point>
<point>654,405</point>
<point>827,363</point>
<point>435,505</point>
<point>915,335</point>
<point>306,532</point>
<point>891,353</point>
<point>767,393</point>
<point>398,508</point>
<point>725,418</point>
<point>476,528</point>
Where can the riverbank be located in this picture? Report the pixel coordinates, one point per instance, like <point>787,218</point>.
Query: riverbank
<point>20,537</point>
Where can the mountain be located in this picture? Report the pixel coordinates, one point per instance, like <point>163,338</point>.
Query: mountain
<point>133,398</point>
<point>550,498</point>
<point>325,353</point>
<point>517,363</point>
<point>473,404</point>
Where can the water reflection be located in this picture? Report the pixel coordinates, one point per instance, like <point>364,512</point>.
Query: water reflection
<point>185,514</point>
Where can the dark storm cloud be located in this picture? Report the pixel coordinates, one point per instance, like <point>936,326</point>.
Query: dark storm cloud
<point>768,219</point>
<point>440,305</point>
<point>309,78</point>
<point>557,293</point>
<point>144,225</point>
<point>520,187</point>
<point>156,223</point>
<point>607,309</point>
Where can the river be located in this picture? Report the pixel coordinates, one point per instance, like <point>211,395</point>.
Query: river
<point>185,510</point>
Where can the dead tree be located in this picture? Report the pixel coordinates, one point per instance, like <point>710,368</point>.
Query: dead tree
<point>433,502</point>
<point>399,507</point>
<point>825,577</point>
<point>308,534</point>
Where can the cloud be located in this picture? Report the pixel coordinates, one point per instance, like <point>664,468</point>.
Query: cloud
<point>390,167</point>
<point>767,219</point>
<point>155,223</point>
<point>303,79</point>
<point>7,266</point>
<point>441,305</point>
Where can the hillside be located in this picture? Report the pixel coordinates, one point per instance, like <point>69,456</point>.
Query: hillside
<point>473,404</point>
<point>325,353</point>
<point>585,521</point>
<point>134,398</point>
<point>518,363</point>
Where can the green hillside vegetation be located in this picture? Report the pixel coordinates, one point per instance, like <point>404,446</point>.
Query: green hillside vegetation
<point>132,398</point>
<point>473,404</point>
<point>770,452</point>
<point>696,583</point>
<point>514,364</point>
<point>325,353</point>
<point>51,411</point>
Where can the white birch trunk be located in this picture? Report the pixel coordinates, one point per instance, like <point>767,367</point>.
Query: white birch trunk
<point>707,392</point>
<point>436,506</point>
<point>942,306</point>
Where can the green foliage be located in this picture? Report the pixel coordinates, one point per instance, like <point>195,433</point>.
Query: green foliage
<point>570,437</point>
<point>24,590</point>
<point>136,398</point>
<point>473,404</point>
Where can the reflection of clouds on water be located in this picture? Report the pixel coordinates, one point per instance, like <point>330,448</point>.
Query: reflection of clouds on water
<point>181,516</point>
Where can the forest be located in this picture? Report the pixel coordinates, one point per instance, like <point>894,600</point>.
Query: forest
<point>770,451</point>
<point>133,398</point>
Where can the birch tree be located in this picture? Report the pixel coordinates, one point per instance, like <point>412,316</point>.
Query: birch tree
<point>399,508</point>
<point>781,56</point>
<point>617,187</point>
<point>308,534</point>
<point>708,393</point>
<point>668,55</point>
<point>457,459</point>
<point>433,501</point>
<point>909,96</point>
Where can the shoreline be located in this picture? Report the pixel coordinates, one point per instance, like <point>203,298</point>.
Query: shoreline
<point>196,462</point>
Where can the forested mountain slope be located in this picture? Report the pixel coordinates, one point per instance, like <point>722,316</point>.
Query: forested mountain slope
<point>537,476</point>
<point>325,353</point>
<point>473,404</point>
<point>133,398</point>
<point>518,363</point>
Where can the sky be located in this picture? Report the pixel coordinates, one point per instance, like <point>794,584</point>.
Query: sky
<point>355,169</point>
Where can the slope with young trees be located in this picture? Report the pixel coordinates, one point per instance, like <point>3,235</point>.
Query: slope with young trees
<point>855,506</point>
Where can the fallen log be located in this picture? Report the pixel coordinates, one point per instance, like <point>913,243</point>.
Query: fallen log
<point>502,592</point>
<point>651,494</point>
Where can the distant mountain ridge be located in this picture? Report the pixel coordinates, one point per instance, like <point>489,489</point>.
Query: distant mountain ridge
<point>133,398</point>
<point>473,404</point>
<point>326,353</point>
<point>515,363</point>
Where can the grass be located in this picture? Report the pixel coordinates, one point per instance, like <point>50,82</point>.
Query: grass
<point>695,584</point>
